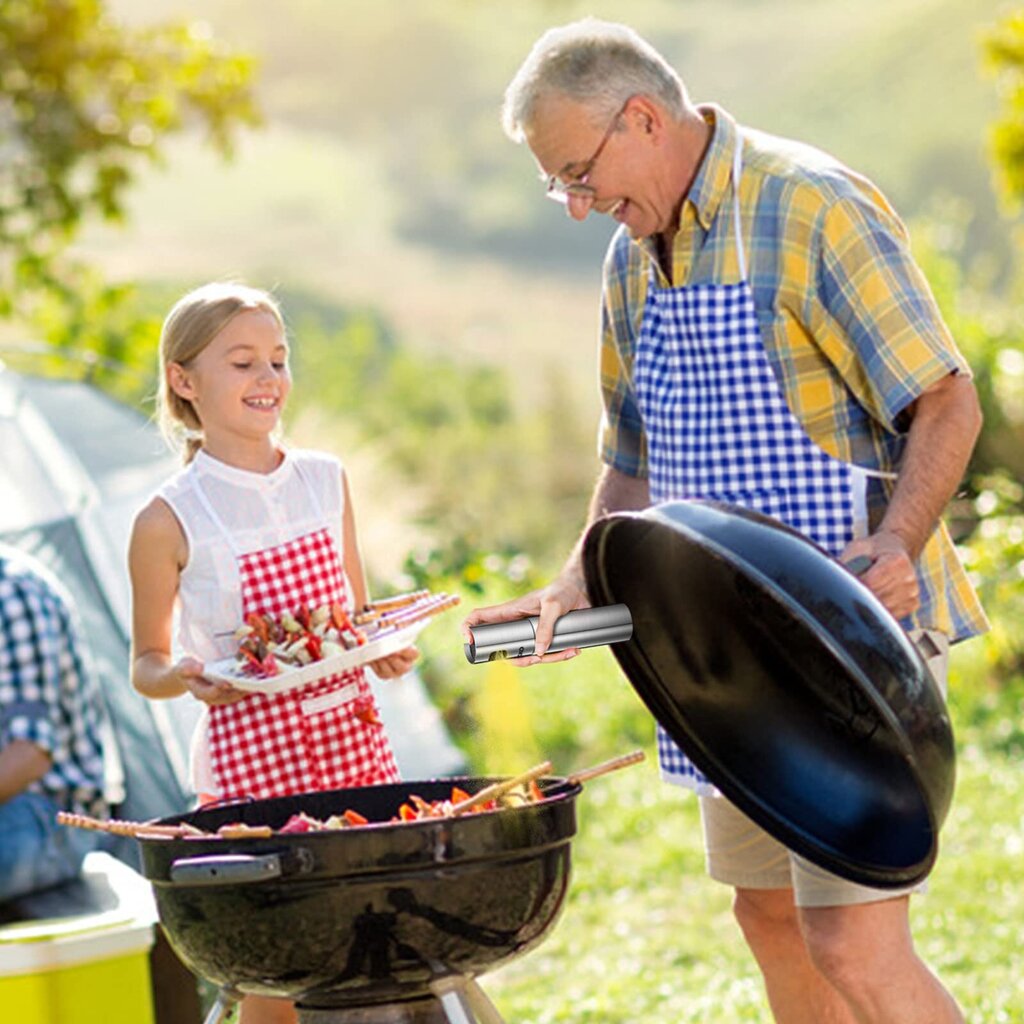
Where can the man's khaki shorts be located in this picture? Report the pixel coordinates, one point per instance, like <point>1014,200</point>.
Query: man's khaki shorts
<point>741,854</point>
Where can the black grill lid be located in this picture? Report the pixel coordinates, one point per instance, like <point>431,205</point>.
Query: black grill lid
<point>784,680</point>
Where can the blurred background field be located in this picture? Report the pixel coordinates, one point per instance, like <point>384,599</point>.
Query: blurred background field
<point>444,321</point>
<point>408,237</point>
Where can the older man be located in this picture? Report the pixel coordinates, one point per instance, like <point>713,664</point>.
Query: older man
<point>51,756</point>
<point>767,341</point>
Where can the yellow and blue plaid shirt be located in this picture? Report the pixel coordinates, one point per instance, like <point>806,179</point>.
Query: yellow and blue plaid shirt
<point>847,318</point>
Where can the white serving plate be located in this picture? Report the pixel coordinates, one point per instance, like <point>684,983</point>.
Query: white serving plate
<point>228,670</point>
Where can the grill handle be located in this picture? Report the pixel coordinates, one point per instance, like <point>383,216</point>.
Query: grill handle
<point>226,869</point>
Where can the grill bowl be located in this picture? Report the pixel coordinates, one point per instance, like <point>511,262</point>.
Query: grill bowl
<point>364,915</point>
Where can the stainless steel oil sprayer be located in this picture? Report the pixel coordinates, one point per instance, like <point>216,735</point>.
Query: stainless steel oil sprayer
<point>586,627</point>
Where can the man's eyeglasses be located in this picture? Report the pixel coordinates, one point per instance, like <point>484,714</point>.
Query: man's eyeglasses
<point>560,191</point>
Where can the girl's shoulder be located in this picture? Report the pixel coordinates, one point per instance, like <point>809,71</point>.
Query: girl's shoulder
<point>156,528</point>
<point>178,482</point>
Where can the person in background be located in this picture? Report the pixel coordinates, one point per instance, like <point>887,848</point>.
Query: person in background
<point>51,717</point>
<point>768,341</point>
<point>249,526</point>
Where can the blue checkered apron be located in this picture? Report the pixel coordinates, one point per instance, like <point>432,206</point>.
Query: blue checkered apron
<point>718,426</point>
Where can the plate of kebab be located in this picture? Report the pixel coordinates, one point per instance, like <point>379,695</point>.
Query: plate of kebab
<point>279,653</point>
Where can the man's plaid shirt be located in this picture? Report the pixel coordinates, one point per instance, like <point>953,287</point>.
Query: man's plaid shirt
<point>48,695</point>
<point>848,320</point>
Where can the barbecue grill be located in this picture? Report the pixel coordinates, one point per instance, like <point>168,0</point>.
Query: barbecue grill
<point>385,923</point>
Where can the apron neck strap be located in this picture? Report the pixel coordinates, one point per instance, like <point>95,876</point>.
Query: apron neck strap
<point>310,489</point>
<point>737,168</point>
<point>217,521</point>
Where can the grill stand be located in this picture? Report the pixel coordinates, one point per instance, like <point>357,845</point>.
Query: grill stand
<point>224,1004</point>
<point>455,1000</point>
<point>465,1002</point>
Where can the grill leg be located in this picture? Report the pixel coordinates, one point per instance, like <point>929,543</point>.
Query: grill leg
<point>465,1002</point>
<point>226,999</point>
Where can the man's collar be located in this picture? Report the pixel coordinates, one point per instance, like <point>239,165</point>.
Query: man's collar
<point>711,183</point>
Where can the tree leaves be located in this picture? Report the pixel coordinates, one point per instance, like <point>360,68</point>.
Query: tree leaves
<point>1004,49</point>
<point>85,103</point>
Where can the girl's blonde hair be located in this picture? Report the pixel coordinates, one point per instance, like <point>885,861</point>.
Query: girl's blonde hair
<point>196,319</point>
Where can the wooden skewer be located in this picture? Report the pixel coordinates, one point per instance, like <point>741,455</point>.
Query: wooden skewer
<point>441,604</point>
<point>613,765</point>
<point>496,789</point>
<point>399,600</point>
<point>128,828</point>
<point>416,607</point>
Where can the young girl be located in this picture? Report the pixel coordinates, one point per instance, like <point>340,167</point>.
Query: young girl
<point>248,526</point>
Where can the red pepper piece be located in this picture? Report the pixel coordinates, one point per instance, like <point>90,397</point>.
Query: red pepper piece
<point>249,654</point>
<point>368,716</point>
<point>355,818</point>
<point>302,616</point>
<point>364,710</point>
<point>253,665</point>
<point>315,646</point>
<point>339,618</point>
<point>259,625</point>
<point>296,823</point>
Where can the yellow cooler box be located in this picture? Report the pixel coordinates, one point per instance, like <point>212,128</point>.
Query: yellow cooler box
<point>85,968</point>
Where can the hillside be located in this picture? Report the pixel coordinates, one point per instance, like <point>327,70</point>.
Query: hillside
<point>382,177</point>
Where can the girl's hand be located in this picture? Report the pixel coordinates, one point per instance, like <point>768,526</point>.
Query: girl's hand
<point>189,673</point>
<point>394,665</point>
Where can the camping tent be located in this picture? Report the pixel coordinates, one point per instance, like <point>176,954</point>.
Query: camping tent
<point>75,467</point>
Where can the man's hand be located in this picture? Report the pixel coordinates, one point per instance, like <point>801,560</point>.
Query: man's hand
<point>891,577</point>
<point>944,424</point>
<point>564,595</point>
<point>614,492</point>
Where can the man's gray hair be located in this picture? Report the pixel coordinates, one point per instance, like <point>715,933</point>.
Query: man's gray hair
<point>598,63</point>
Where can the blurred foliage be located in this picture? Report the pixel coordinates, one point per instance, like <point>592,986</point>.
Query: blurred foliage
<point>990,699</point>
<point>84,103</point>
<point>987,517</point>
<point>95,329</point>
<point>1004,48</point>
<point>988,330</point>
<point>492,477</point>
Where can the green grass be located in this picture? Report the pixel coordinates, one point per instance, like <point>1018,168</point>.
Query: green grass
<point>647,936</point>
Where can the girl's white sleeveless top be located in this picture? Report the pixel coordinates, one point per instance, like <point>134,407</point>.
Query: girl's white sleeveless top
<point>255,511</point>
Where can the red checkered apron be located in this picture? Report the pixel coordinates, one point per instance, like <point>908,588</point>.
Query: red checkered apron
<point>326,735</point>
